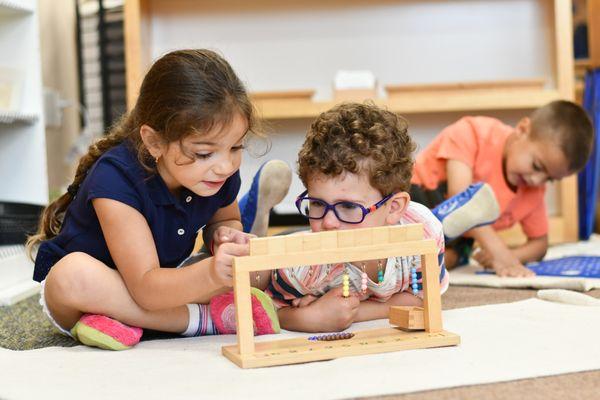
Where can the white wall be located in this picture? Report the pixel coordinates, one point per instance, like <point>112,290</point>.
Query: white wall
<point>274,45</point>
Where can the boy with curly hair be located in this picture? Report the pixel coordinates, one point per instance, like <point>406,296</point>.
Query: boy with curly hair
<point>356,162</point>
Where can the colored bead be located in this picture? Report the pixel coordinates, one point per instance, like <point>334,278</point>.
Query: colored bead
<point>333,336</point>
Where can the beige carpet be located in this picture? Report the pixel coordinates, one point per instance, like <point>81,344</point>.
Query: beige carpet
<point>500,342</point>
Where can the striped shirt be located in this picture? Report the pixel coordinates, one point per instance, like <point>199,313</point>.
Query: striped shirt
<point>296,282</point>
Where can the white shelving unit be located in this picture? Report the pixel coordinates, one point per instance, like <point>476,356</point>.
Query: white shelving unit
<point>23,170</point>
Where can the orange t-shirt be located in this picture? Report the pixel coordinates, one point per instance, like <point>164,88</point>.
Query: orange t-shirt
<point>479,143</point>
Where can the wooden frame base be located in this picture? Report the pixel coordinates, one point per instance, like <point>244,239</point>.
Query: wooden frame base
<point>336,247</point>
<point>301,350</point>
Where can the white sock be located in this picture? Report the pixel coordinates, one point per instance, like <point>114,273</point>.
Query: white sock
<point>199,323</point>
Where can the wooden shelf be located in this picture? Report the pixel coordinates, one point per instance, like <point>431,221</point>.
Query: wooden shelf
<point>15,7</point>
<point>14,117</point>
<point>419,102</point>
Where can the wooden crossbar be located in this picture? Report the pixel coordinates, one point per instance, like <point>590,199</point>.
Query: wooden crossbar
<point>327,248</point>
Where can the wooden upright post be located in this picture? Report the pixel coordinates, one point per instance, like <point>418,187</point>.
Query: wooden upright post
<point>243,311</point>
<point>432,299</point>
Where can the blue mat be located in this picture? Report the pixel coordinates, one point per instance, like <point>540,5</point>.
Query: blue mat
<point>574,266</point>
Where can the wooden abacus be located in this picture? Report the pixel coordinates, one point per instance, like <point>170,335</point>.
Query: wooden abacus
<point>417,328</point>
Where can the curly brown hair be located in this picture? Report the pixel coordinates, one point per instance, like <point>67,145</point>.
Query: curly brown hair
<point>355,138</point>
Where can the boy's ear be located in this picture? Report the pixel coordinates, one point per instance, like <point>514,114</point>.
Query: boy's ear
<point>524,126</point>
<point>397,207</point>
<point>152,141</point>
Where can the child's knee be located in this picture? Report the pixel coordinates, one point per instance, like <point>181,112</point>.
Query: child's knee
<point>70,278</point>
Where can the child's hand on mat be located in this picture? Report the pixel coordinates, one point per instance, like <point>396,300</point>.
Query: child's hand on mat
<point>483,257</point>
<point>226,234</point>
<point>336,311</point>
<point>510,266</point>
<point>222,265</point>
<point>514,270</point>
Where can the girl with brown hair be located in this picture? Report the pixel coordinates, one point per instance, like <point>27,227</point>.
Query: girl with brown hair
<point>169,168</point>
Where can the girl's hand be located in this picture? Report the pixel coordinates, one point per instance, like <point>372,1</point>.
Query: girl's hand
<point>225,234</point>
<point>335,311</point>
<point>222,262</point>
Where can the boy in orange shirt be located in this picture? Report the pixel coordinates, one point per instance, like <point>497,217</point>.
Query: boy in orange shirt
<point>555,141</point>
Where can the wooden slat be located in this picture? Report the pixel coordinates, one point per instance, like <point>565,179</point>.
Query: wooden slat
<point>563,37</point>
<point>288,94</point>
<point>407,317</point>
<point>569,208</point>
<point>137,15</point>
<point>593,19</point>
<point>329,256</point>
<point>243,311</point>
<point>420,102</point>
<point>534,83</point>
<point>432,299</point>
<point>301,350</point>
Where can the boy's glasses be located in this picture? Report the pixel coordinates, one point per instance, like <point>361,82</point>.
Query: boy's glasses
<point>346,211</point>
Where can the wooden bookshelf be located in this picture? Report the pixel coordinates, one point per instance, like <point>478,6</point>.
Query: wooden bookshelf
<point>419,102</point>
<point>139,16</point>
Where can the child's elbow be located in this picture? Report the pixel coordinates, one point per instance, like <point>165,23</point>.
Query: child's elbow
<point>146,300</point>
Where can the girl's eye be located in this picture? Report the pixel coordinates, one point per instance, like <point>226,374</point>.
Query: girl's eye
<point>203,156</point>
<point>537,167</point>
<point>238,148</point>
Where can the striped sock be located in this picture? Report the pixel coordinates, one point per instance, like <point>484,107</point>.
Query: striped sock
<point>200,323</point>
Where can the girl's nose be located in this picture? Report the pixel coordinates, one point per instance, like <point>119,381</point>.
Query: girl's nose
<point>224,167</point>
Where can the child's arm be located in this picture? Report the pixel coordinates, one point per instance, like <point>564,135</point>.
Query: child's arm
<point>330,313</point>
<point>371,309</point>
<point>502,260</point>
<point>132,248</point>
<point>533,250</point>
<point>224,226</point>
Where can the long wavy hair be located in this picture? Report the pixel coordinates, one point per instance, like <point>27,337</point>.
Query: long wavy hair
<point>184,92</point>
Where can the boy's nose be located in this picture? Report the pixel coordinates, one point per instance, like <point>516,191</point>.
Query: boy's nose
<point>330,221</point>
<point>538,179</point>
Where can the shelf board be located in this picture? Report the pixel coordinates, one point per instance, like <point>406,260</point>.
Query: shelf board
<point>15,117</point>
<point>420,102</point>
<point>15,7</point>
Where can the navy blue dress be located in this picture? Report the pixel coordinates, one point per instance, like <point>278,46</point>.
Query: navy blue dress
<point>119,176</point>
